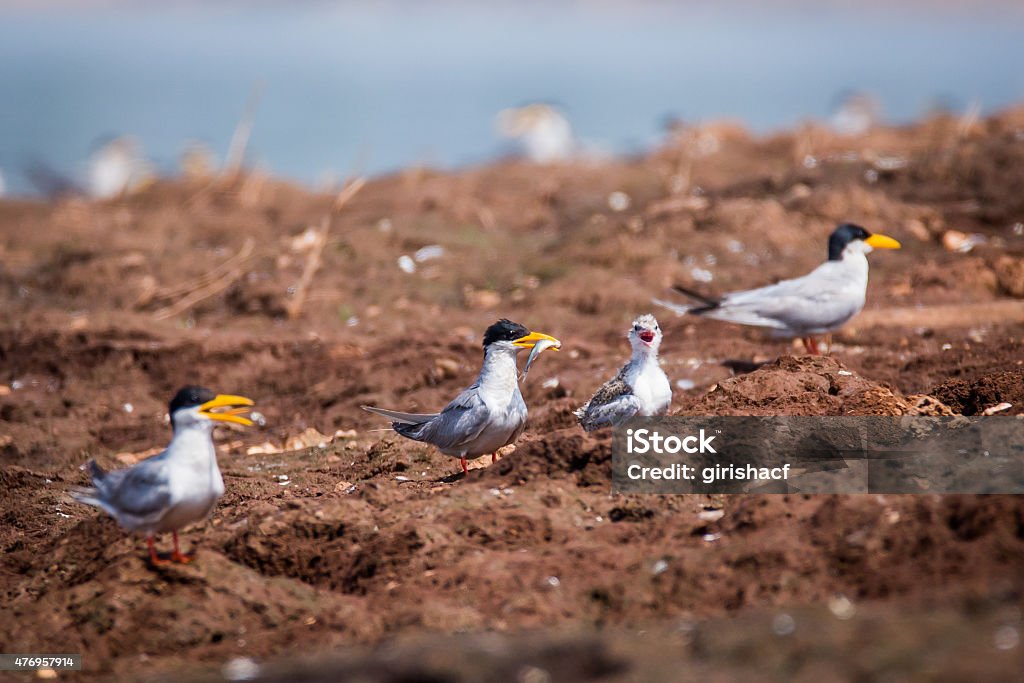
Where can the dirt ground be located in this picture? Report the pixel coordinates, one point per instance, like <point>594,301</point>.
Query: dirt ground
<point>341,551</point>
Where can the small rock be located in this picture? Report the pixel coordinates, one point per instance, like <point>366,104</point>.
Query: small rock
<point>954,240</point>
<point>1010,273</point>
<point>240,669</point>
<point>447,367</point>
<point>406,263</point>
<point>429,253</point>
<point>841,607</point>
<point>619,201</point>
<point>918,229</point>
<point>481,299</point>
<point>701,274</point>
<point>783,625</point>
<point>711,515</point>
<point>265,448</point>
<point>796,193</point>
<point>998,408</point>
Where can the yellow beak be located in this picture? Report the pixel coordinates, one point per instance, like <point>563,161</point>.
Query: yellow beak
<point>231,415</point>
<point>531,339</point>
<point>882,242</point>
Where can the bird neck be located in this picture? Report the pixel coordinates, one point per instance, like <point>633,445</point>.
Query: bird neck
<point>499,374</point>
<point>856,262</point>
<point>193,442</point>
<point>644,355</point>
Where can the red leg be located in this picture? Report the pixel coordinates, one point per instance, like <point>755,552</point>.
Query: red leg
<point>494,458</point>
<point>828,344</point>
<point>178,556</point>
<point>154,558</point>
<point>812,346</point>
<point>465,467</point>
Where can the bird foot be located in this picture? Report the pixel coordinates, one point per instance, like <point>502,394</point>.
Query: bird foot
<point>160,560</point>
<point>812,346</point>
<point>465,465</point>
<point>182,558</point>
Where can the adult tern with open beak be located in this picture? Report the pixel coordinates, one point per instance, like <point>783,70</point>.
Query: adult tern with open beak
<point>487,416</point>
<point>813,305</point>
<point>640,387</point>
<point>179,486</point>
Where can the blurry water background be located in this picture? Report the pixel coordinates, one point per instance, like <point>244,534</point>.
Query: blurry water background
<point>371,88</point>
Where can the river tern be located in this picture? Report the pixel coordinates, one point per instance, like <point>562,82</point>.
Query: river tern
<point>179,486</point>
<point>813,305</point>
<point>488,415</point>
<point>640,387</point>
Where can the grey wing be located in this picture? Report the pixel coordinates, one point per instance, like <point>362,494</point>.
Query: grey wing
<point>459,423</point>
<point>141,491</point>
<point>808,302</point>
<point>611,414</point>
<point>399,416</point>
<point>610,405</point>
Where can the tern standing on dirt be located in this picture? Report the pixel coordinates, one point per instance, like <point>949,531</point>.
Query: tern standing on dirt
<point>816,304</point>
<point>488,415</point>
<point>179,486</point>
<point>640,387</point>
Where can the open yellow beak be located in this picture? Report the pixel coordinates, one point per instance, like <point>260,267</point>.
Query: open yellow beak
<point>882,242</point>
<point>231,415</point>
<point>531,339</point>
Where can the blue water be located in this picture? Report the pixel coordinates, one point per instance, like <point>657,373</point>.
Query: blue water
<point>352,87</point>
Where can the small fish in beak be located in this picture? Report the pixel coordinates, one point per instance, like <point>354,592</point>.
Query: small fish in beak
<point>539,348</point>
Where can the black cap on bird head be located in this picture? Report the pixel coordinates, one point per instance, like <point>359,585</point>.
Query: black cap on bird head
<point>504,330</point>
<point>842,236</point>
<point>848,232</point>
<point>190,397</point>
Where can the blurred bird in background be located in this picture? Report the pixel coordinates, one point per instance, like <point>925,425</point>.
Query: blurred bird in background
<point>117,167</point>
<point>542,130</point>
<point>855,113</point>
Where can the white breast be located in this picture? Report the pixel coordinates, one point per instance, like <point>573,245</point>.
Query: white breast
<point>651,387</point>
<point>195,480</point>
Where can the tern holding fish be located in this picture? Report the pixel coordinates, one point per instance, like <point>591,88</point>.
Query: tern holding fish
<point>490,413</point>
<point>640,387</point>
<point>179,486</point>
<point>813,305</point>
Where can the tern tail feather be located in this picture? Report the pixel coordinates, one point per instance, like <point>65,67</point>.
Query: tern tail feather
<point>86,495</point>
<point>96,472</point>
<point>91,495</point>
<point>403,418</point>
<point>710,303</point>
